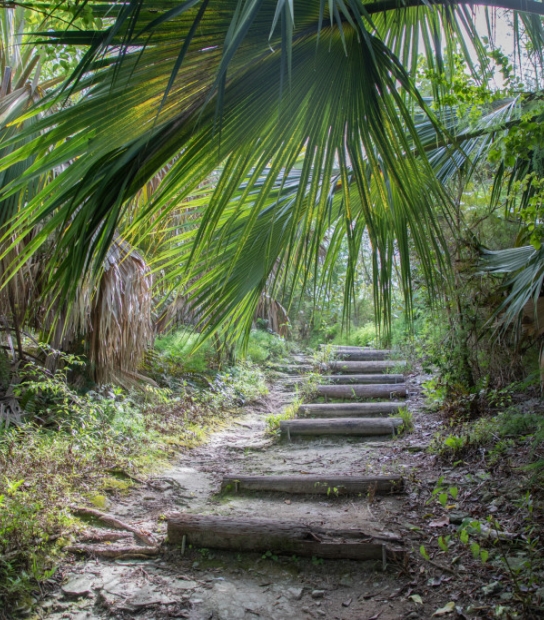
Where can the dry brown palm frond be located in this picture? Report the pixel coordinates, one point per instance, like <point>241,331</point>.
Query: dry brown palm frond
<point>274,313</point>
<point>120,327</point>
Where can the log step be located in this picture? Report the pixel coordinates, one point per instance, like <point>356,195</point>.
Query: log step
<point>365,427</point>
<point>294,369</point>
<point>364,379</point>
<point>349,410</point>
<point>290,537</point>
<point>362,391</point>
<point>315,484</point>
<point>346,367</point>
<point>361,355</point>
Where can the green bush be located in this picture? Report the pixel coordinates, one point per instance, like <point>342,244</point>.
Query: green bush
<point>364,336</point>
<point>175,353</point>
<point>264,346</point>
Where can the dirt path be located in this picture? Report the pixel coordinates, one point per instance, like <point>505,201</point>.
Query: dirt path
<point>206,584</point>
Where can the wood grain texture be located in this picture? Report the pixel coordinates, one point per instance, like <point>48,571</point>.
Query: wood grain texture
<point>353,392</point>
<point>315,484</point>
<point>349,410</point>
<point>291,537</point>
<point>348,367</point>
<point>366,379</point>
<point>341,426</point>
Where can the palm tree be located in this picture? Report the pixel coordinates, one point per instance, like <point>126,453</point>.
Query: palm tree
<point>305,111</point>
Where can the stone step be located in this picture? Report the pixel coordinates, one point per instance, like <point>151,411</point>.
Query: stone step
<point>349,410</point>
<point>353,392</point>
<point>341,426</point>
<point>364,379</point>
<point>314,484</point>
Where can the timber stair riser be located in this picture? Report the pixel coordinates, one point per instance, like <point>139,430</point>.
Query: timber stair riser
<point>284,537</point>
<point>363,379</point>
<point>331,486</point>
<point>362,427</point>
<point>349,410</point>
<point>385,391</point>
<point>358,354</point>
<point>364,367</point>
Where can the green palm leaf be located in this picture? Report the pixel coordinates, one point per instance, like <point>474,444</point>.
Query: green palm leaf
<point>329,93</point>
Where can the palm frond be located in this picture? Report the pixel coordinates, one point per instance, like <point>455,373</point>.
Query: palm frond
<point>254,88</point>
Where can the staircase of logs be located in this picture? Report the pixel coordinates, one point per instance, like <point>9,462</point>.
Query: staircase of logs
<point>362,397</point>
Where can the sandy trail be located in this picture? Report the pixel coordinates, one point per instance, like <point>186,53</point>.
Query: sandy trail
<point>205,584</point>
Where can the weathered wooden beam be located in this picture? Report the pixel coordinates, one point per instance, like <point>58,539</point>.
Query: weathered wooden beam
<point>361,355</point>
<point>347,367</point>
<point>349,410</point>
<point>341,426</point>
<point>315,484</point>
<point>294,369</point>
<point>284,537</point>
<point>363,379</point>
<point>362,391</point>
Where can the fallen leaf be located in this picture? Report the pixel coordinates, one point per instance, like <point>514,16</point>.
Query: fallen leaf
<point>442,522</point>
<point>447,609</point>
<point>417,599</point>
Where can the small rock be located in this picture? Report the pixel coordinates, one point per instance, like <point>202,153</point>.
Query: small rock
<point>346,603</point>
<point>184,584</point>
<point>78,586</point>
<point>295,593</point>
<point>318,593</point>
<point>346,580</point>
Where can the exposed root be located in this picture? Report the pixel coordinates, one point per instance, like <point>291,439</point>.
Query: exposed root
<point>114,522</point>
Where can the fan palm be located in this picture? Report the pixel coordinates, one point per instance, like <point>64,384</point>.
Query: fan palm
<point>307,110</point>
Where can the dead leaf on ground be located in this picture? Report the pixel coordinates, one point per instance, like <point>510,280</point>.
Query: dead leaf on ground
<point>447,609</point>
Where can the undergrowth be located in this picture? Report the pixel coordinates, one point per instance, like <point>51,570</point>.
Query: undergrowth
<point>84,447</point>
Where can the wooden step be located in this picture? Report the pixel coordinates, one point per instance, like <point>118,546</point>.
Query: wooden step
<point>293,369</point>
<point>346,367</point>
<point>363,391</point>
<point>364,379</point>
<point>349,410</point>
<point>315,484</point>
<point>290,537</point>
<point>341,426</point>
<point>361,355</point>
